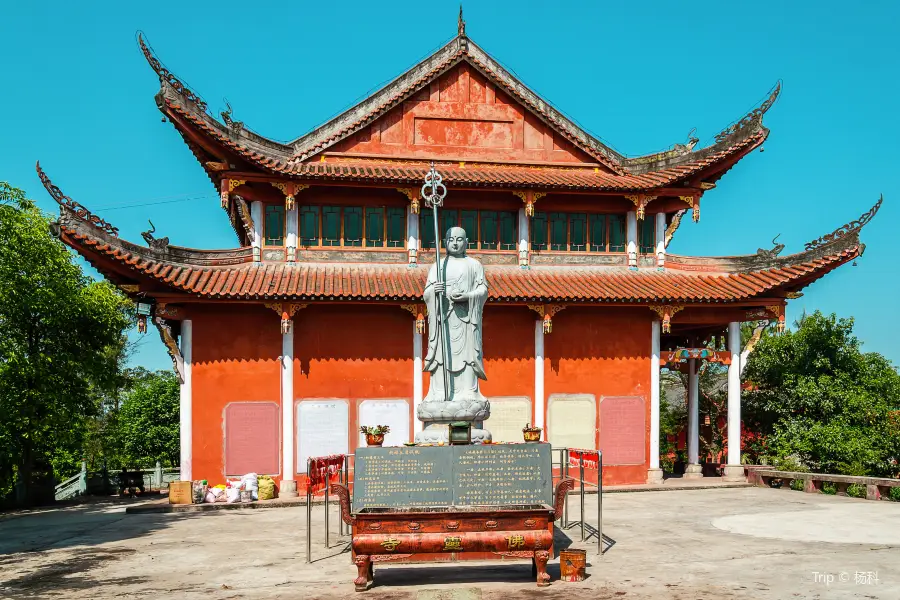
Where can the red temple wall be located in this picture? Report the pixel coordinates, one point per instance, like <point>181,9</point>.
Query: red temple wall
<point>462,116</point>
<point>359,352</point>
<point>602,352</point>
<point>235,359</point>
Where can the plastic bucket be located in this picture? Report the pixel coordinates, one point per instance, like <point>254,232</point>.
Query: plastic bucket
<point>572,564</point>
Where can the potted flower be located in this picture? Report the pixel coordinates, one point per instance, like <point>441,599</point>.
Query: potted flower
<point>374,433</point>
<point>532,433</point>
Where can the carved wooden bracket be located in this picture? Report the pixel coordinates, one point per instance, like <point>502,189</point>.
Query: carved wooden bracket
<point>343,495</point>
<point>413,195</point>
<point>674,358</point>
<point>778,311</point>
<point>286,310</point>
<point>547,311</point>
<point>228,186</point>
<point>243,212</point>
<point>666,312</point>
<point>290,191</point>
<point>164,310</point>
<point>419,311</point>
<point>673,226</point>
<point>640,201</point>
<point>694,202</point>
<point>168,340</point>
<point>529,197</point>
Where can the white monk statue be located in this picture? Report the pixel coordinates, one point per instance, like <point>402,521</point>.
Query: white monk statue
<point>454,342</point>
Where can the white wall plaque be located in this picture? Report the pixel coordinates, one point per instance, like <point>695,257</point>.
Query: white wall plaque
<point>508,416</point>
<point>322,429</point>
<point>572,421</point>
<point>394,413</point>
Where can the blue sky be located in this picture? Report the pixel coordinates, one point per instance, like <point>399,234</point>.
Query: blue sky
<point>78,95</point>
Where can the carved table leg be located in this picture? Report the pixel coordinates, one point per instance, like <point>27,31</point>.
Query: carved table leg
<point>371,572</point>
<point>364,572</point>
<point>540,561</point>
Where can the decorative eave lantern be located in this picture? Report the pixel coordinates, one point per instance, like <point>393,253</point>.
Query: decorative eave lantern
<point>143,311</point>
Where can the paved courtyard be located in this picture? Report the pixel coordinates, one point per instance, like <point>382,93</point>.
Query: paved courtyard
<point>717,543</point>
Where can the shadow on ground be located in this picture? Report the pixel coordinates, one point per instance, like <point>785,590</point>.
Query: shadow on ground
<point>70,574</point>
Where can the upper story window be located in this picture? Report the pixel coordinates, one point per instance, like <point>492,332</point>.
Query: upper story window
<point>647,236</point>
<point>353,226</point>
<point>578,232</point>
<point>486,229</point>
<point>274,226</point>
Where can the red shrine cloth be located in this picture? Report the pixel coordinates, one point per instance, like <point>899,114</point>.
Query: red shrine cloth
<point>591,458</point>
<point>321,467</point>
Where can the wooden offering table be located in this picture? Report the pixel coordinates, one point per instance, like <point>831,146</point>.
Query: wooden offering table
<point>514,531</point>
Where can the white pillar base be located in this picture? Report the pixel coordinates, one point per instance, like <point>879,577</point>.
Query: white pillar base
<point>733,473</point>
<point>693,472</point>
<point>654,476</point>
<point>287,489</point>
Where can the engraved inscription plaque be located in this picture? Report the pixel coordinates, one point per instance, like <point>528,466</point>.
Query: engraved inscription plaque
<point>504,474</point>
<point>252,443</point>
<point>405,476</point>
<point>489,475</point>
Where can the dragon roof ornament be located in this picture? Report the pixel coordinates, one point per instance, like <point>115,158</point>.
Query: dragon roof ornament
<point>80,211</point>
<point>846,229</point>
<point>753,117</point>
<point>166,76</point>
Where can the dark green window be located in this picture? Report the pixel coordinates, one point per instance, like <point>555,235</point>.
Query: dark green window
<point>426,228</point>
<point>539,231</point>
<point>331,226</point>
<point>647,234</point>
<point>353,226</point>
<point>508,228</point>
<point>597,231</point>
<point>468,220</point>
<point>578,232</point>
<point>274,226</point>
<point>489,234</point>
<point>309,225</point>
<point>616,233</point>
<point>558,231</point>
<point>396,227</point>
<point>375,227</point>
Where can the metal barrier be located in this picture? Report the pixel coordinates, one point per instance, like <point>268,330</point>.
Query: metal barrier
<point>343,474</point>
<point>564,473</point>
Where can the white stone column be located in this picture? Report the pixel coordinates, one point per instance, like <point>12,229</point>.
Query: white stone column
<point>540,401</point>
<point>412,235</point>
<point>290,240</point>
<point>631,236</point>
<point>524,237</point>
<point>693,470</point>
<point>185,404</point>
<point>288,488</point>
<point>417,378</point>
<point>733,470</point>
<point>660,240</point>
<point>256,213</point>
<point>654,474</point>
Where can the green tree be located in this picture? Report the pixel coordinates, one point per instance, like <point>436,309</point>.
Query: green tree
<point>820,401</point>
<point>62,348</point>
<point>148,420</point>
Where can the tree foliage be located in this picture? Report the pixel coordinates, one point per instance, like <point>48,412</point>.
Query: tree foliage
<point>148,420</point>
<point>62,348</point>
<point>819,401</point>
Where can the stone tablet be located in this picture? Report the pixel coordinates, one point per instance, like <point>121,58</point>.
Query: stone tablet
<point>406,476</point>
<point>252,444</point>
<point>322,429</point>
<point>489,475</point>
<point>501,475</point>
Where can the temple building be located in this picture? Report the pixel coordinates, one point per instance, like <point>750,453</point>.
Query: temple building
<point>314,324</point>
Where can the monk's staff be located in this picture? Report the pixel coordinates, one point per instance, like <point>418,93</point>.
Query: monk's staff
<point>434,196</point>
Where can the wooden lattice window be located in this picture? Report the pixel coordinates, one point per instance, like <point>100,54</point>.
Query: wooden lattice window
<point>647,235</point>
<point>485,229</point>
<point>352,226</point>
<point>274,226</point>
<point>577,232</point>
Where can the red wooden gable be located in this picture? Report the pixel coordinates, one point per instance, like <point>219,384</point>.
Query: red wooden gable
<point>462,115</point>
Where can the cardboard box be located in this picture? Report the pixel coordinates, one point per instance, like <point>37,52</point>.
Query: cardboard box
<point>180,492</point>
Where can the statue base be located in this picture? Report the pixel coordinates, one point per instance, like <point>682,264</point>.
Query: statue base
<point>436,433</point>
